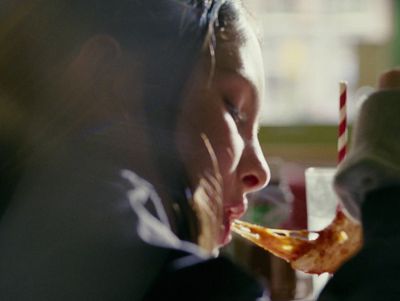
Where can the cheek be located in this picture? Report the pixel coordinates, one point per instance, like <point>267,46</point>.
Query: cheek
<point>228,145</point>
<point>192,149</point>
<point>207,115</point>
<point>220,131</point>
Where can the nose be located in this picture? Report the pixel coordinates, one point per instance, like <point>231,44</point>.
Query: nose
<point>254,170</point>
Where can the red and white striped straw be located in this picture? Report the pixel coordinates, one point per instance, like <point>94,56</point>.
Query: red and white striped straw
<point>342,138</point>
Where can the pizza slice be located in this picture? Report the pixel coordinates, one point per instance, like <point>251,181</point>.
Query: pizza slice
<point>314,252</point>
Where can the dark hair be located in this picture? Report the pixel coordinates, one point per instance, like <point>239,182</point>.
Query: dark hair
<point>38,35</point>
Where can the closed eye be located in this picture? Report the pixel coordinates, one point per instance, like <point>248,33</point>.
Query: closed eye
<point>234,111</point>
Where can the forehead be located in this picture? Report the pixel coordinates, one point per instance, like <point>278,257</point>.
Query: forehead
<point>240,54</point>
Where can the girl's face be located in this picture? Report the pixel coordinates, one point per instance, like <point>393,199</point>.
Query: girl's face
<point>226,111</point>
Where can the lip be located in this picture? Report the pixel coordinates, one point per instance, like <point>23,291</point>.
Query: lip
<point>232,212</point>
<point>226,235</point>
<point>235,209</point>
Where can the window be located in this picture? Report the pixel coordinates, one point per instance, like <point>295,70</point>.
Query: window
<point>311,45</point>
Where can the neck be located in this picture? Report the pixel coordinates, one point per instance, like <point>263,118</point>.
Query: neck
<point>117,145</point>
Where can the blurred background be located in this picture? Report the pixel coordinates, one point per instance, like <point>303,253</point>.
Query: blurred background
<point>309,46</point>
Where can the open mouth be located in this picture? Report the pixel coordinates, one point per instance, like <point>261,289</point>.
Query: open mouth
<point>231,213</point>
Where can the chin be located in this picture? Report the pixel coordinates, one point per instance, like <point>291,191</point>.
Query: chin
<point>226,240</point>
<point>226,235</point>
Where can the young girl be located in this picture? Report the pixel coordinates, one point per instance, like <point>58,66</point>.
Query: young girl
<point>134,132</point>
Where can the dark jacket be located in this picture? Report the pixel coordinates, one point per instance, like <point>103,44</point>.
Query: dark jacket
<point>374,273</point>
<point>75,230</point>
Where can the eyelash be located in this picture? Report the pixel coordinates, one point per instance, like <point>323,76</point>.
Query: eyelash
<point>234,111</point>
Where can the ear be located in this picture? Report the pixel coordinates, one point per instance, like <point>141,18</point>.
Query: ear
<point>104,72</point>
<point>96,58</point>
